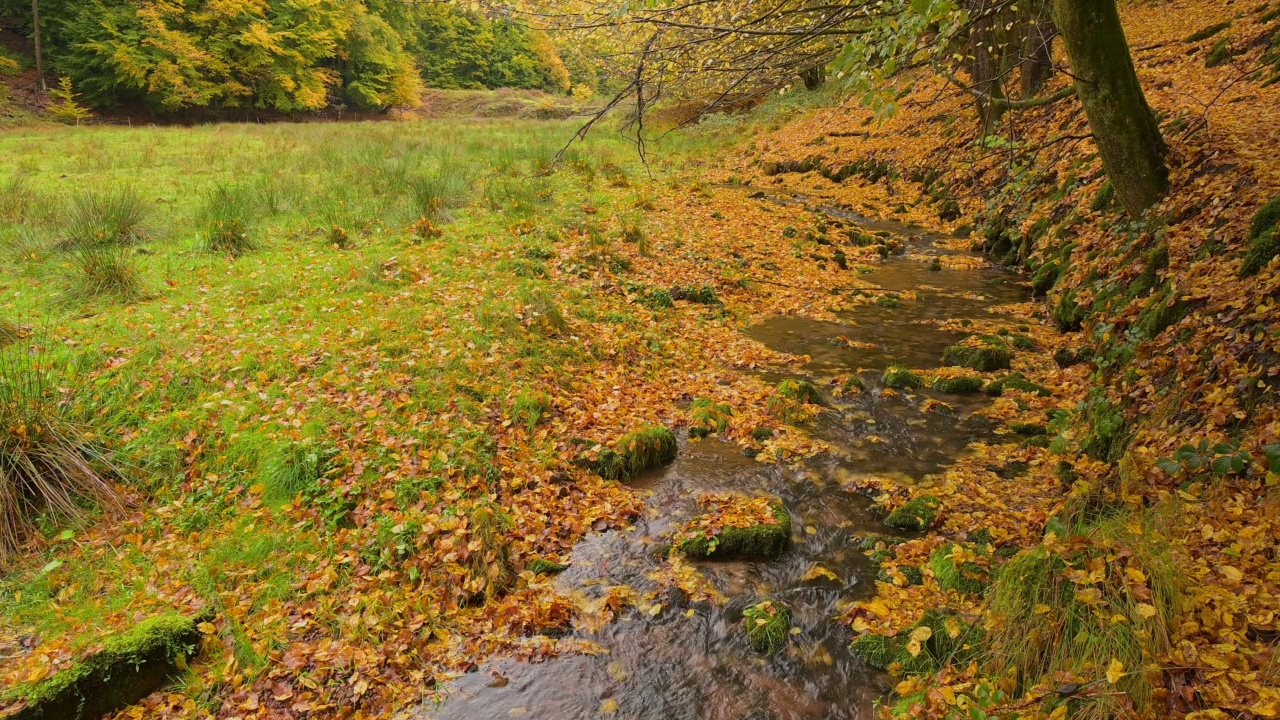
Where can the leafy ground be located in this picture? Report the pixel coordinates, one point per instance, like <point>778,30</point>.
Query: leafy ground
<point>351,437</point>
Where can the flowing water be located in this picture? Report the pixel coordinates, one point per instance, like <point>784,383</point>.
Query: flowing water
<point>692,662</point>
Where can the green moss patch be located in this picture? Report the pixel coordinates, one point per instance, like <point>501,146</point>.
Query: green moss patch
<point>798,390</point>
<point>542,566</point>
<point>637,452</point>
<point>939,639</point>
<point>733,543</point>
<point>985,354</point>
<point>767,625</point>
<point>918,514</point>
<point>1016,381</point>
<point>1264,238</point>
<point>707,417</point>
<point>965,576</point>
<point>130,666</point>
<point>902,378</point>
<point>960,384</point>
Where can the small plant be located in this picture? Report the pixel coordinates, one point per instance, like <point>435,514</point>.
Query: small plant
<point>490,561</point>
<point>954,567</point>
<point>530,407</point>
<point>767,625</point>
<point>65,108</point>
<point>1219,459</point>
<point>544,311</point>
<point>49,466</point>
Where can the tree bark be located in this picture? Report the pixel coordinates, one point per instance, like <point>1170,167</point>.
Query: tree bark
<point>984,69</point>
<point>1124,127</point>
<point>35,25</point>
<point>813,77</point>
<point>1037,56</point>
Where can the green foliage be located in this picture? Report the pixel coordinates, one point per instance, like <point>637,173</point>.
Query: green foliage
<point>767,541</point>
<point>801,391</point>
<point>542,566</point>
<point>530,407</point>
<point>707,417</point>
<point>1264,238</point>
<point>294,468</point>
<point>900,377</point>
<point>988,354</point>
<point>128,667</point>
<point>1219,54</point>
<point>228,215</point>
<point>1218,458</point>
<point>767,625</point>
<point>1106,438</point>
<point>378,73</point>
<point>701,294</point>
<point>1016,381</point>
<point>917,514</point>
<point>636,452</point>
<point>949,641</point>
<point>965,576</point>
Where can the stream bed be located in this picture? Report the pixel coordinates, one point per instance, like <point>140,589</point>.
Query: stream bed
<point>693,662</point>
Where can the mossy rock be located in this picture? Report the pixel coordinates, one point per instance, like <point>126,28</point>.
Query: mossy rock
<point>851,383</point>
<point>542,566</point>
<point>1045,278</point>
<point>1023,342</point>
<point>988,356</point>
<point>918,514</point>
<point>1067,357</point>
<point>1025,428</point>
<point>707,417</point>
<point>888,301</point>
<point>935,265</point>
<point>951,640</point>
<point>967,577</point>
<point>1068,314</point>
<point>798,390</point>
<point>1163,310</point>
<point>1264,238</point>
<point>960,384</point>
<point>902,378</point>
<point>765,541</point>
<point>637,452</point>
<point>872,541</point>
<point>1208,32</point>
<point>768,625</point>
<point>130,666</point>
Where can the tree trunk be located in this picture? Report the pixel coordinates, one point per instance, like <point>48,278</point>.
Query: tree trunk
<point>813,77</point>
<point>984,69</point>
<point>1037,56</point>
<point>35,25</point>
<point>1124,128</point>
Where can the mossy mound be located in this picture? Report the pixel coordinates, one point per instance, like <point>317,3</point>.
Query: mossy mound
<point>1264,238</point>
<point>1067,357</point>
<point>636,452</point>
<point>542,566</point>
<point>902,378</point>
<point>767,541</point>
<point>798,390</point>
<point>852,384</point>
<point>700,294</point>
<point>965,576</point>
<point>767,625</point>
<point>130,666</point>
<point>1026,428</point>
<point>913,575</point>
<point>1016,381</point>
<point>707,417</point>
<point>888,301</point>
<point>987,355</point>
<point>918,514</point>
<point>960,384</point>
<point>949,641</point>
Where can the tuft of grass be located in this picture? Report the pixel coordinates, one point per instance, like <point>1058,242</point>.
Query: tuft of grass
<point>228,215</point>
<point>1125,616</point>
<point>490,561</point>
<point>767,625</point>
<point>767,541</point>
<point>103,271</point>
<point>801,391</point>
<point>954,572</point>
<point>49,466</point>
<point>949,640</point>
<point>546,313</point>
<point>636,452</point>
<point>530,407</point>
<point>1016,381</point>
<point>960,384</point>
<point>97,219</point>
<point>902,378</point>
<point>707,417</point>
<point>293,468</point>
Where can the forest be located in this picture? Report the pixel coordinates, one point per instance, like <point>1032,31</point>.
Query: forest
<point>662,360</point>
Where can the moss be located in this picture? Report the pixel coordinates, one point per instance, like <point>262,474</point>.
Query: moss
<point>950,641</point>
<point>1106,438</point>
<point>900,377</point>
<point>658,299</point>
<point>130,666</point>
<point>961,384</point>
<point>888,301</point>
<point>1266,218</point>
<point>989,355</point>
<point>707,417</point>
<point>768,624</point>
<point>1155,260</point>
<point>1028,428</point>
<point>935,265</point>
<point>1219,54</point>
<point>1066,357</point>
<point>636,452</point>
<point>1163,311</point>
<point>966,577</point>
<point>1206,33</point>
<point>761,434</point>
<point>1069,314</point>
<point>918,514</point>
<point>913,574</point>
<point>1046,276</point>
<point>1261,251</point>
<point>701,294</point>
<point>1105,199</point>
<point>852,383</point>
<point>756,541</point>
<point>542,566</point>
<point>530,407</point>
<point>1018,382</point>
<point>798,390</point>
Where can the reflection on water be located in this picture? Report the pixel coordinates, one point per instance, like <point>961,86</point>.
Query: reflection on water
<point>693,662</point>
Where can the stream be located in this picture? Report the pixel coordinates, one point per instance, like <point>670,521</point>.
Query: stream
<point>693,661</point>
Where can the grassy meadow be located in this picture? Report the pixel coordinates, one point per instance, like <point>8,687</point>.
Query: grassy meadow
<point>294,352</point>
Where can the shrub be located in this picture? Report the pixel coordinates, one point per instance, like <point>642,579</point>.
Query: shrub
<point>985,354</point>
<point>900,377</point>
<point>48,464</point>
<point>767,625</point>
<point>637,452</point>
<point>96,219</point>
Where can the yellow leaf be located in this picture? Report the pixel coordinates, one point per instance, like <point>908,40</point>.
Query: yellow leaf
<point>1231,573</point>
<point>913,647</point>
<point>609,706</point>
<point>1146,610</point>
<point>922,633</point>
<point>953,627</point>
<point>1135,574</point>
<point>859,625</point>
<point>1115,671</point>
<point>1041,608</point>
<point>656,609</point>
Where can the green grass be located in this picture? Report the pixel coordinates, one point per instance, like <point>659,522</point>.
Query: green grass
<point>767,625</point>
